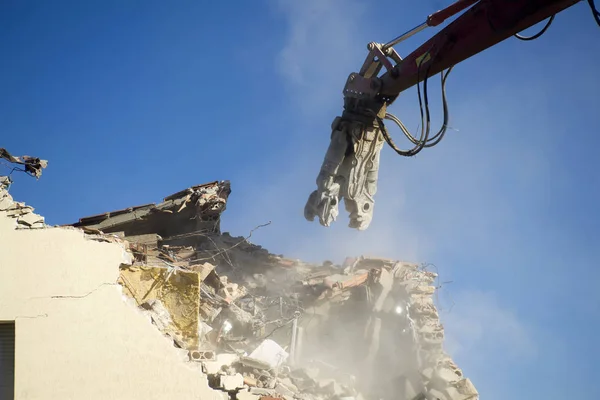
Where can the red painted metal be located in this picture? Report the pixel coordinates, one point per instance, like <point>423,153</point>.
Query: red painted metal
<point>482,26</point>
<point>440,16</point>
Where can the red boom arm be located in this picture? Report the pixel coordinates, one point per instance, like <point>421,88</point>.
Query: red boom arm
<point>485,24</point>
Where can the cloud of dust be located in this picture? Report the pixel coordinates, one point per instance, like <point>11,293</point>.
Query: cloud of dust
<point>483,323</point>
<point>321,43</point>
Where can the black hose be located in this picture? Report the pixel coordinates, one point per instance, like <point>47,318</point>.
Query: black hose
<point>540,33</point>
<point>424,140</point>
<point>420,144</point>
<point>595,11</point>
<point>440,135</point>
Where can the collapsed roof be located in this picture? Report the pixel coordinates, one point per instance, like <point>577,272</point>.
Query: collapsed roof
<point>190,211</point>
<point>30,165</point>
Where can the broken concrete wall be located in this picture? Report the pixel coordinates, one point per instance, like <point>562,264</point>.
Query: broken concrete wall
<point>76,336</point>
<point>172,295</point>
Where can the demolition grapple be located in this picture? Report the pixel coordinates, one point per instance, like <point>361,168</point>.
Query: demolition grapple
<point>350,169</point>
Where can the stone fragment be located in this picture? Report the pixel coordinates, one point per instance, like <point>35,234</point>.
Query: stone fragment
<point>305,378</point>
<point>246,395</point>
<point>255,363</point>
<point>330,387</point>
<point>262,391</point>
<point>231,291</point>
<point>38,225</point>
<point>6,201</point>
<point>203,270</point>
<point>250,381</point>
<point>202,355</point>
<point>229,383</point>
<point>222,360</point>
<point>30,219</point>
<point>18,209</point>
<point>270,352</point>
<point>284,390</point>
<point>466,388</point>
<point>4,182</point>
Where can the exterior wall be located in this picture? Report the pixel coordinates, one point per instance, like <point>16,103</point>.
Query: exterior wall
<point>76,335</point>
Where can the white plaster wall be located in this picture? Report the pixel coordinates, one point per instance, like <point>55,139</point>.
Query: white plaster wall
<point>76,337</point>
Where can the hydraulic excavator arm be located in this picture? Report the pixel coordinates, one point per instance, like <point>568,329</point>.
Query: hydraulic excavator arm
<point>351,165</point>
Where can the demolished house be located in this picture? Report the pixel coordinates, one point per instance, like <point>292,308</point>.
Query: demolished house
<point>255,325</point>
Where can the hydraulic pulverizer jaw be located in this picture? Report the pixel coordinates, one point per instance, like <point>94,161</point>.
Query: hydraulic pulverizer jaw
<point>351,166</point>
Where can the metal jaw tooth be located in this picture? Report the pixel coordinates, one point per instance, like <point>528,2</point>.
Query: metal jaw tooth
<point>319,204</point>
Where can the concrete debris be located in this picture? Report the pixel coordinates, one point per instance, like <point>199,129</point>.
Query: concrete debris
<point>263,326</point>
<point>199,355</point>
<point>32,165</point>
<point>246,395</point>
<point>172,296</point>
<point>179,218</point>
<point>230,383</point>
<point>6,201</point>
<point>5,182</point>
<point>270,353</point>
<point>220,363</point>
<point>23,214</point>
<point>31,219</point>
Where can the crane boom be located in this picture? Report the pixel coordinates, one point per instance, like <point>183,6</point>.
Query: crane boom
<point>351,166</point>
<point>484,25</point>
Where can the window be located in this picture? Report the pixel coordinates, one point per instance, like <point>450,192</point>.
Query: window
<point>7,360</point>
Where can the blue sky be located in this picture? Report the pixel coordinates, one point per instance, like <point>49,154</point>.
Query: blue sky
<point>132,101</point>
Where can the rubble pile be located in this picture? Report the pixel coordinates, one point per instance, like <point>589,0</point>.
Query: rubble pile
<point>22,213</point>
<point>262,326</point>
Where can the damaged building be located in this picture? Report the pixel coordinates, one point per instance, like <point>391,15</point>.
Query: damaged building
<point>155,302</point>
